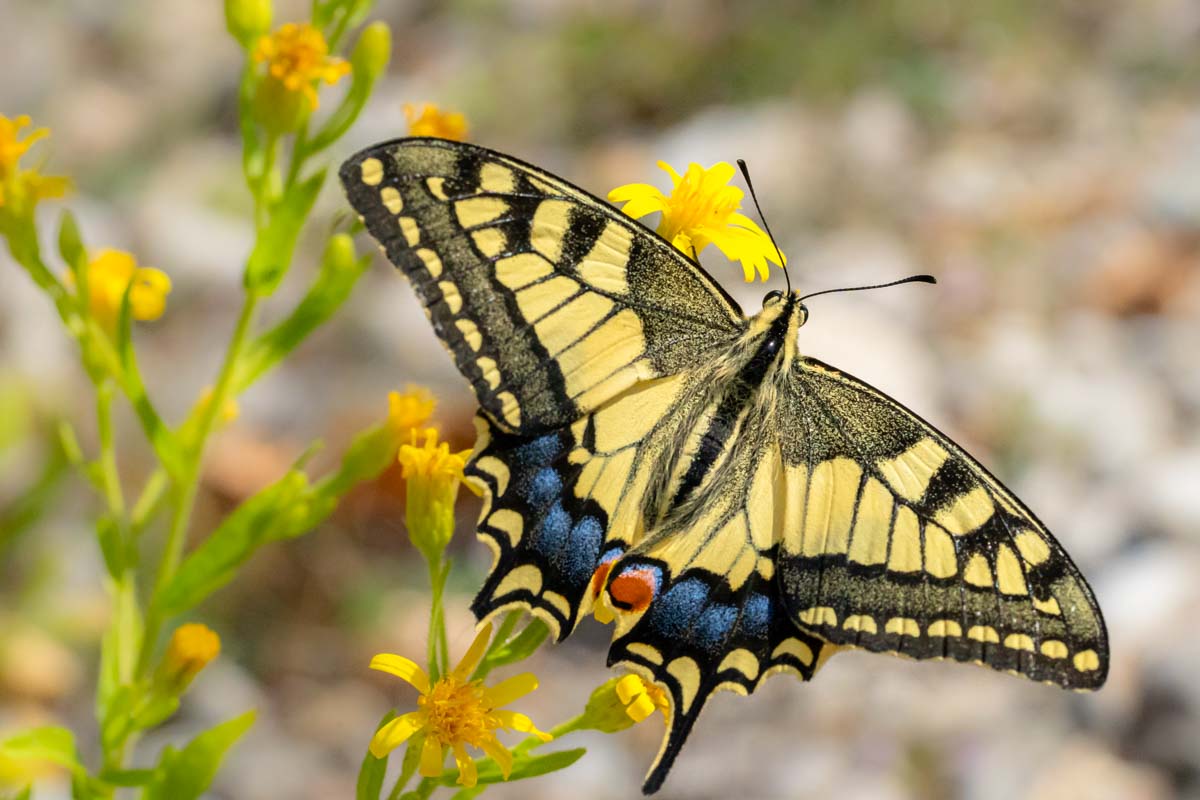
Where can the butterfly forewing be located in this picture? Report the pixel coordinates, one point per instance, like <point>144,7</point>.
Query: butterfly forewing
<point>550,301</point>
<point>896,540</point>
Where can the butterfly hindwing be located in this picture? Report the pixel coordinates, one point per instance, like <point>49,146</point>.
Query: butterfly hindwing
<point>550,301</point>
<point>700,636</point>
<point>898,541</point>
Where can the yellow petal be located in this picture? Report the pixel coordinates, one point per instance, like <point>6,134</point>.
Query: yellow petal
<point>602,612</point>
<point>521,723</point>
<point>640,199</point>
<point>474,654</point>
<point>403,668</point>
<point>630,687</point>
<point>467,774</point>
<point>432,756</point>
<point>511,689</point>
<point>641,707</point>
<point>667,168</point>
<point>499,753</point>
<point>396,733</point>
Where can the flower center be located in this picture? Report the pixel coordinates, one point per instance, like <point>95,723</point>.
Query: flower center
<point>694,206</point>
<point>458,712</point>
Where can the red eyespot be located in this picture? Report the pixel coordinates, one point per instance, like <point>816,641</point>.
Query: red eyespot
<point>633,589</point>
<point>599,577</point>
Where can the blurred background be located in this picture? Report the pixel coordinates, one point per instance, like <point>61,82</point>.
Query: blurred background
<point>1042,159</point>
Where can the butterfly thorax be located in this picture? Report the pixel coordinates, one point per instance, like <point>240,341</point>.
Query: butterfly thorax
<point>730,411</point>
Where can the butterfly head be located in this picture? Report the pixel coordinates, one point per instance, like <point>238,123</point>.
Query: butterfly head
<point>781,302</point>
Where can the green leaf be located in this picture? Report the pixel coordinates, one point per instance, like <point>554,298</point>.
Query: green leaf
<point>155,712</point>
<point>272,254</point>
<point>116,717</point>
<point>127,777</point>
<point>524,766</point>
<point>185,774</point>
<point>283,510</point>
<point>24,794</point>
<point>517,648</point>
<point>373,770</point>
<point>51,743</point>
<point>369,454</point>
<point>344,115</point>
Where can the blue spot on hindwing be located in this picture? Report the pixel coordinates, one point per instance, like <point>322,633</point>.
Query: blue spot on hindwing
<point>714,625</point>
<point>539,452</point>
<point>756,616</point>
<point>578,559</point>
<point>553,531</point>
<point>545,487</point>
<point>674,611</point>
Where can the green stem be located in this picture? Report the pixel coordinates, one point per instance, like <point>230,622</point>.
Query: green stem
<point>111,479</point>
<point>558,731</point>
<point>184,492</point>
<point>412,757</point>
<point>437,649</point>
<point>148,501</point>
<point>299,154</point>
<point>263,191</point>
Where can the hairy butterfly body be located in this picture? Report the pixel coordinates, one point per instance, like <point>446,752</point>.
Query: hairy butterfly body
<point>647,452</point>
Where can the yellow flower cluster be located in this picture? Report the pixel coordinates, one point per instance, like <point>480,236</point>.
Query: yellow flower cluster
<point>454,713</point>
<point>432,121</point>
<point>20,190</point>
<point>641,699</point>
<point>702,209</point>
<point>409,411</point>
<point>432,461</point>
<point>297,57</point>
<point>110,273</point>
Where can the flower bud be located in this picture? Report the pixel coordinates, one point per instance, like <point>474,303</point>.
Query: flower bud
<point>604,711</point>
<point>372,52</point>
<point>192,646</point>
<point>339,253</point>
<point>246,20</point>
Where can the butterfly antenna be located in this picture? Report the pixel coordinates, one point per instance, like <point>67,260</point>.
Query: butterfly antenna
<point>909,279</point>
<point>746,174</point>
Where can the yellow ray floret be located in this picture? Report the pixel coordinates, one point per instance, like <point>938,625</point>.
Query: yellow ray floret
<point>702,209</point>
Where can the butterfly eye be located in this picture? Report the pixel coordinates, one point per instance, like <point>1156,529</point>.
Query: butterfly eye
<point>772,296</point>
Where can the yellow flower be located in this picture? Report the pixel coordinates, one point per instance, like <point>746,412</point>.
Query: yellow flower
<point>298,57</point>
<point>191,648</point>
<point>11,146</point>
<point>641,699</point>
<point>433,475</point>
<point>21,189</point>
<point>109,273</point>
<point>432,121</point>
<point>409,411</point>
<point>455,712</point>
<point>702,210</point>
